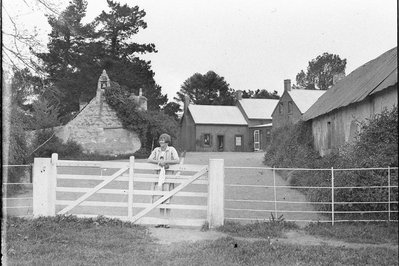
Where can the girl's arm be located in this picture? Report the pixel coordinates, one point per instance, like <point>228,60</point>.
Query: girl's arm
<point>152,157</point>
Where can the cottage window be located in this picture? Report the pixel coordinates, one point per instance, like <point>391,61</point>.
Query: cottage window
<point>207,139</point>
<point>280,108</point>
<point>290,107</point>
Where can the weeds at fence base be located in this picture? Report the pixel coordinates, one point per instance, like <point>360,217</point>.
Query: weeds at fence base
<point>205,227</point>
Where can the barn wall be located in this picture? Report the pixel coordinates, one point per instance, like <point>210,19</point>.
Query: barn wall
<point>332,130</point>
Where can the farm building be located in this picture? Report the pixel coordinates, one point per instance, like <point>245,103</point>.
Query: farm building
<point>97,128</point>
<point>258,114</point>
<point>213,128</point>
<point>292,104</point>
<point>367,91</point>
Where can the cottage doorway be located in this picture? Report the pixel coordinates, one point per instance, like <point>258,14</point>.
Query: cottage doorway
<point>238,141</point>
<point>220,143</point>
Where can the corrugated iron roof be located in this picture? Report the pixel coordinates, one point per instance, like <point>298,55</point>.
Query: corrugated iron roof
<point>217,114</point>
<point>258,108</point>
<point>305,98</point>
<point>374,76</point>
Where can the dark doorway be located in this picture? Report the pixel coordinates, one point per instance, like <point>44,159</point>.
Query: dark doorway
<point>220,142</point>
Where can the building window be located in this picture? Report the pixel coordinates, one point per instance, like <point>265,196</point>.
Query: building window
<point>290,107</point>
<point>238,140</point>
<point>207,139</point>
<point>280,108</point>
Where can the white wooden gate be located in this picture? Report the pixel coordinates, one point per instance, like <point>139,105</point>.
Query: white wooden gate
<point>122,190</point>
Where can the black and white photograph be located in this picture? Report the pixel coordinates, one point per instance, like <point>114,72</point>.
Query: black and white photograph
<point>224,132</point>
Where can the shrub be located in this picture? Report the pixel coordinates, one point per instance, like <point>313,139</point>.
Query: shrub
<point>375,146</point>
<point>149,125</point>
<point>52,144</point>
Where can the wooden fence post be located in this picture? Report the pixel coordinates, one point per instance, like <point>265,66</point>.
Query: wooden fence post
<point>130,191</point>
<point>215,215</point>
<point>44,183</point>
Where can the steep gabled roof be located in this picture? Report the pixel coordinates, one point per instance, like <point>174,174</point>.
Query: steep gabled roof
<point>304,99</point>
<point>258,108</point>
<point>374,76</point>
<point>217,115</point>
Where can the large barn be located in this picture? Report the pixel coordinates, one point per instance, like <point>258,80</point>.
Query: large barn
<point>367,91</point>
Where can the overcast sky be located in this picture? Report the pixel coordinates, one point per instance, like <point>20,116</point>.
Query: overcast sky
<point>256,44</point>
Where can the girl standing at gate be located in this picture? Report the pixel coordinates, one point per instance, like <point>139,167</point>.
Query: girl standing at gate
<point>164,155</point>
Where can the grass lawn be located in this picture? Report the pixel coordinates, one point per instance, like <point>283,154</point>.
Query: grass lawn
<point>357,232</point>
<point>67,240</point>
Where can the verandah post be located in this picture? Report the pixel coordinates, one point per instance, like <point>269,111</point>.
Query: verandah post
<point>332,196</point>
<point>215,215</point>
<point>130,195</point>
<point>44,184</point>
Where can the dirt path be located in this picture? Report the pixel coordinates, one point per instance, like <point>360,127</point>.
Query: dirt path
<point>298,237</point>
<point>256,192</point>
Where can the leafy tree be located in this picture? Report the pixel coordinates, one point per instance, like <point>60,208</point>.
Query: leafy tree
<point>147,124</point>
<point>44,114</point>
<point>24,86</point>
<point>320,72</point>
<point>206,89</point>
<point>78,52</point>
<point>171,109</point>
<point>260,94</point>
<point>118,26</point>
<point>69,51</point>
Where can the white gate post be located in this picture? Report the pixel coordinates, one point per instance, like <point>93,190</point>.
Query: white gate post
<point>215,215</point>
<point>44,183</point>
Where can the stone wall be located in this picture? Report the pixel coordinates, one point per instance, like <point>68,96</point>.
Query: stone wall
<point>97,129</point>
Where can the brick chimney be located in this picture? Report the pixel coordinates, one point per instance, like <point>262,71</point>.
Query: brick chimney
<point>186,103</point>
<point>287,85</point>
<point>239,95</point>
<point>140,100</point>
<point>103,82</point>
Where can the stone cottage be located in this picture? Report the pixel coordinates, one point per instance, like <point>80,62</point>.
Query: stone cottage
<point>366,91</point>
<point>97,128</point>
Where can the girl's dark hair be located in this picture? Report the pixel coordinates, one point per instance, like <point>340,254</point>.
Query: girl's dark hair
<point>166,137</point>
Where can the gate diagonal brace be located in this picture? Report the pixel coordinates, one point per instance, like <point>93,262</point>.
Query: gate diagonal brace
<point>94,190</point>
<point>169,194</point>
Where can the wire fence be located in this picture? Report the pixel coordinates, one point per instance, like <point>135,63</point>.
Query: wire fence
<point>17,190</point>
<point>311,195</point>
<point>255,193</point>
